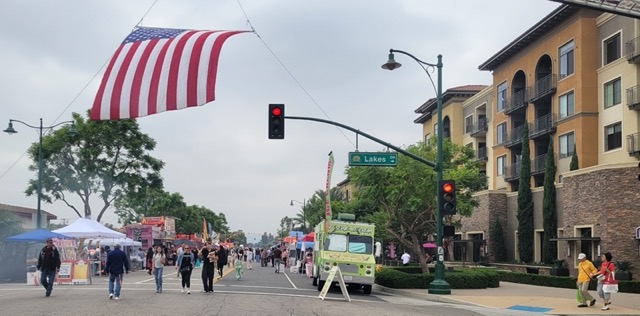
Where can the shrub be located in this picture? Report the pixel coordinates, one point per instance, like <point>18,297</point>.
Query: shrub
<point>459,279</point>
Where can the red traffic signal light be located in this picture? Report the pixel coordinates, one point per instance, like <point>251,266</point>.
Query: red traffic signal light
<point>276,121</point>
<point>447,197</point>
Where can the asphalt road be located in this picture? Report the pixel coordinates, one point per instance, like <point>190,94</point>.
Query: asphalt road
<point>259,292</point>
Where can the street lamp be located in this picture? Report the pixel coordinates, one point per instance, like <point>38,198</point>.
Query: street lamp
<point>439,285</point>
<point>304,217</point>
<point>10,130</point>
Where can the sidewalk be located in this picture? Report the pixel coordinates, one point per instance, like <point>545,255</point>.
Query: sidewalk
<point>531,298</point>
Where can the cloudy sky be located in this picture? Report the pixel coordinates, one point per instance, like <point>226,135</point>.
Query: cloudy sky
<point>52,55</point>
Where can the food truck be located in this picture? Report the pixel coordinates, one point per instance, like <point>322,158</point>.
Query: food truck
<point>349,245</point>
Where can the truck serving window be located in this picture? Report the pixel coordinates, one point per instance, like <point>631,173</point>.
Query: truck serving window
<point>360,244</point>
<point>335,242</point>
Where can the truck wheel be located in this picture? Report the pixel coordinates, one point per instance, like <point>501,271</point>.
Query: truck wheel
<point>367,289</point>
<point>320,285</point>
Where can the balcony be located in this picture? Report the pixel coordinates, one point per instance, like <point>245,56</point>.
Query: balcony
<point>633,144</point>
<point>512,172</point>
<point>538,164</point>
<point>516,102</point>
<point>544,125</point>
<point>543,88</point>
<point>514,137</point>
<point>633,98</point>
<point>481,153</point>
<point>479,128</point>
<point>632,49</point>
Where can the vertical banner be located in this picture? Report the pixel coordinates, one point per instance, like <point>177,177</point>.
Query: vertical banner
<point>327,200</point>
<point>205,234</point>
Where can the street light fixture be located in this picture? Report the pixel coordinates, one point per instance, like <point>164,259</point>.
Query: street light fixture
<point>304,217</point>
<point>10,130</point>
<point>439,285</point>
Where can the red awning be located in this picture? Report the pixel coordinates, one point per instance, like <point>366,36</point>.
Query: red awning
<point>309,237</point>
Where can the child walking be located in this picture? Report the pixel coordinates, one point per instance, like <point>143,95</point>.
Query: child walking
<point>237,262</point>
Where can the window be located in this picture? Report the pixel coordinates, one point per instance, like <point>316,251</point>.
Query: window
<point>565,105</point>
<point>501,163</point>
<point>566,145</point>
<point>501,97</point>
<point>501,132</point>
<point>335,242</point>
<point>613,136</point>
<point>426,139</point>
<point>566,60</point>
<point>612,92</point>
<point>360,244</point>
<point>611,48</point>
<point>435,130</point>
<point>468,124</point>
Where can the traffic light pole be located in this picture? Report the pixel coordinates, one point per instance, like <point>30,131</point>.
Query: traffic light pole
<point>377,140</point>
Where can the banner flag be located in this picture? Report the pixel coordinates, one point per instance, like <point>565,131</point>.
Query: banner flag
<point>205,234</point>
<point>158,69</point>
<point>327,201</point>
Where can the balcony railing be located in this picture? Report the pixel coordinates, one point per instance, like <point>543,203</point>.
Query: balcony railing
<point>479,128</point>
<point>633,144</point>
<point>633,98</point>
<point>481,153</point>
<point>515,102</point>
<point>514,137</point>
<point>538,164</point>
<point>632,49</point>
<point>544,87</point>
<point>512,172</point>
<point>543,125</point>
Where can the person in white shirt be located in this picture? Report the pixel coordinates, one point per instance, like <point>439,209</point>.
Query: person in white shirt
<point>405,258</point>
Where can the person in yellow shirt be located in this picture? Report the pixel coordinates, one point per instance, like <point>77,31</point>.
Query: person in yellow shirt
<point>586,270</point>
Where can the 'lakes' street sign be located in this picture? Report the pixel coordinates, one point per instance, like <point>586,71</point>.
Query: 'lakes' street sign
<point>373,159</point>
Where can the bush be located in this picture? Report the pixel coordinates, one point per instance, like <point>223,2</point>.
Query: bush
<point>459,279</point>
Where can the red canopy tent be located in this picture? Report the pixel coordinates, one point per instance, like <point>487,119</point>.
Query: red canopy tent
<point>309,237</point>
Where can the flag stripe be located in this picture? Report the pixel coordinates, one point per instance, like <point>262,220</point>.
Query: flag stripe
<point>156,70</point>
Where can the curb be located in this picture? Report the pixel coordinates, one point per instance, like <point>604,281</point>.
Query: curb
<point>424,295</point>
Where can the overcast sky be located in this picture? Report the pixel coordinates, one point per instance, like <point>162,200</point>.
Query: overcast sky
<point>218,155</point>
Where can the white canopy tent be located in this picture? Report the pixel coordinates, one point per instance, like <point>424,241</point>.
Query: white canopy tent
<point>122,241</point>
<point>86,228</point>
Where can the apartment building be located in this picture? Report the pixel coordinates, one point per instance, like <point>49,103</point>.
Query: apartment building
<point>573,80</point>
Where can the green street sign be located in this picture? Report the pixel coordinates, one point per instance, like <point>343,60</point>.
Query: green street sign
<point>373,159</point>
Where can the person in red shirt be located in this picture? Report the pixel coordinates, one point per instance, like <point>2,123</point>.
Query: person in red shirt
<point>605,274</point>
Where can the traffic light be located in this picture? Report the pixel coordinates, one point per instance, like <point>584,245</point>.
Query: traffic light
<point>447,191</point>
<point>276,121</point>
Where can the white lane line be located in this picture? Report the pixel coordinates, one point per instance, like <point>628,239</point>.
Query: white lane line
<point>294,286</point>
<point>265,287</point>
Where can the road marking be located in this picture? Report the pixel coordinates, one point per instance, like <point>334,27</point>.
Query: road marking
<point>267,287</point>
<point>294,286</point>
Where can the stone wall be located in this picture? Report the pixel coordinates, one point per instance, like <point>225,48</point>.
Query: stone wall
<point>608,200</point>
<point>492,205</point>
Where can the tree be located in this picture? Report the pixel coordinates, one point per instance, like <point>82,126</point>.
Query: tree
<point>498,244</point>
<point>104,159</point>
<point>549,217</point>
<point>10,225</point>
<point>405,194</point>
<point>574,160</point>
<point>525,202</point>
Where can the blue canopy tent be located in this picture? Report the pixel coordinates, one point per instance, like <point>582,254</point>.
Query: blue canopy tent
<point>38,235</point>
<point>307,244</point>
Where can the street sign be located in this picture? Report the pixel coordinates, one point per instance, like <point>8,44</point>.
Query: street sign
<point>373,159</point>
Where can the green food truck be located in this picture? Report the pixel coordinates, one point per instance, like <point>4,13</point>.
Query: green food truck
<point>349,245</point>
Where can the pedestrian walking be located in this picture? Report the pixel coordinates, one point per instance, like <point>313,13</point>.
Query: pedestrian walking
<point>249,254</point>
<point>49,265</point>
<point>150,260</point>
<point>586,270</point>
<point>238,264</point>
<point>605,275</point>
<point>223,258</point>
<point>179,255</point>
<point>186,262</point>
<point>406,257</point>
<point>277,257</point>
<point>208,256</point>
<point>117,265</point>
<point>159,260</point>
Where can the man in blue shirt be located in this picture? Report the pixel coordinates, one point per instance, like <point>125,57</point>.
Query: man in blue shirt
<point>117,265</point>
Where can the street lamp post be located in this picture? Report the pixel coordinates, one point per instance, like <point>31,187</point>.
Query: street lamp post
<point>10,130</point>
<point>439,285</point>
<point>304,215</point>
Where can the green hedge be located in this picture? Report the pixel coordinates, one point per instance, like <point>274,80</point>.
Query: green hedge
<point>459,279</point>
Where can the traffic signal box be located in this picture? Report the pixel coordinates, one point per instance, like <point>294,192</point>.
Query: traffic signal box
<point>276,121</point>
<point>447,191</point>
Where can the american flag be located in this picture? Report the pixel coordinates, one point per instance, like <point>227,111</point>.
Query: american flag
<point>156,70</point>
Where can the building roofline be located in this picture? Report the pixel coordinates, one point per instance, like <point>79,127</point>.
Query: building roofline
<point>24,210</point>
<point>462,91</point>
